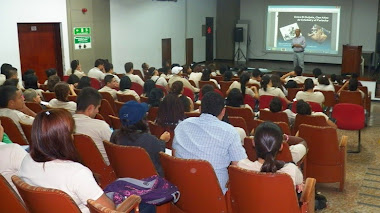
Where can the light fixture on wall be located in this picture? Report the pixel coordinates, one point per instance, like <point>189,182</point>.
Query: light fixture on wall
<point>84,10</point>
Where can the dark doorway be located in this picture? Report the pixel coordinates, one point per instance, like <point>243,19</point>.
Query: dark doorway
<point>189,51</point>
<point>209,39</point>
<point>167,50</point>
<point>40,48</point>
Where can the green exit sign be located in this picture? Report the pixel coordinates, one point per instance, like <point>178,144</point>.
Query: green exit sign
<point>82,30</point>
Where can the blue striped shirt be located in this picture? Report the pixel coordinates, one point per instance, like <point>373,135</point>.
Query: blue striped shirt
<point>207,138</point>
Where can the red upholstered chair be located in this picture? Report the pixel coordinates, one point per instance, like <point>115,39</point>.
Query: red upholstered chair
<point>152,113</point>
<point>105,110</point>
<point>44,200</point>
<point>35,107</point>
<point>137,88</point>
<point>330,98</point>
<point>352,97</point>
<point>315,107</point>
<point>47,96</point>
<point>265,100</point>
<point>284,126</point>
<point>95,83</point>
<point>250,149</point>
<point>144,99</point>
<point>292,93</point>
<point>192,177</point>
<point>10,201</point>
<point>164,90</point>
<point>238,122</point>
<point>349,117</point>
<point>202,83</point>
<point>125,98</point>
<point>118,106</point>
<point>129,204</point>
<point>109,98</point>
<point>200,96</point>
<point>189,93</point>
<point>245,113</point>
<point>139,73</point>
<point>27,129</point>
<point>250,101</point>
<point>255,192</point>
<point>12,131</point>
<point>91,157</point>
<point>224,86</point>
<point>308,119</point>
<point>367,98</point>
<point>157,131</point>
<point>192,114</point>
<point>65,78</point>
<point>267,115</point>
<point>116,124</point>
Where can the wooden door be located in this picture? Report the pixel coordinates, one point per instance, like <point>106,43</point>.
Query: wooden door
<point>167,50</point>
<point>209,39</point>
<point>40,48</point>
<point>189,51</point>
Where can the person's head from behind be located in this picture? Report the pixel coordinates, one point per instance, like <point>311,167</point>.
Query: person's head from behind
<point>303,108</point>
<point>244,78</point>
<point>298,70</point>
<point>355,75</point>
<point>177,88</point>
<point>74,65</point>
<point>133,118</point>
<point>11,82</point>
<point>5,68</point>
<point>88,102</point>
<point>223,68</point>
<point>85,81</point>
<point>110,81</point>
<point>148,86</point>
<point>152,71</point>
<point>206,75</point>
<point>31,95</point>
<point>317,72</point>
<point>11,97</point>
<point>30,81</point>
<point>155,97</point>
<point>145,66</point>
<point>265,82</point>
<point>52,136</point>
<point>73,79</point>
<point>256,74</point>
<point>62,91</point>
<point>125,83</point>
<point>228,75</point>
<point>50,72</point>
<point>339,79</point>
<point>213,103</point>
<point>276,81</point>
<point>207,88</point>
<point>28,72</point>
<point>197,68</point>
<point>323,80</point>
<point>308,85</point>
<point>291,84</point>
<point>353,84</point>
<point>333,78</point>
<point>170,111</point>
<point>275,105</point>
<point>99,63</point>
<point>235,98</point>
<point>128,67</point>
<point>52,81</point>
<point>12,73</point>
<point>108,67</point>
<point>268,142</point>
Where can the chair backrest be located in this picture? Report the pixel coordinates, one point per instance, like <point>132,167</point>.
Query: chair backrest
<point>267,115</point>
<point>137,88</point>
<point>265,100</point>
<point>315,107</point>
<point>330,98</point>
<point>352,97</point>
<point>292,93</point>
<point>105,110</point>
<point>224,86</point>
<point>308,119</point>
<point>12,131</point>
<point>133,204</point>
<point>120,75</point>
<point>238,122</point>
<point>99,117</point>
<point>284,126</point>
<point>349,116</point>
<point>192,114</point>
<point>202,83</point>
<point>157,131</point>
<point>144,99</point>
<point>162,88</point>
<point>139,73</point>
<point>125,98</point>
<point>129,161</point>
<point>189,93</point>
<point>261,192</point>
<point>109,98</point>
<point>250,149</point>
<point>35,107</point>
<point>27,129</point>
<point>92,158</point>
<point>10,201</point>
<point>47,96</point>
<point>192,177</point>
<point>244,113</point>
<point>118,106</point>
<point>250,101</point>
<point>116,123</point>
<point>152,113</point>
<point>192,83</point>
<point>44,200</point>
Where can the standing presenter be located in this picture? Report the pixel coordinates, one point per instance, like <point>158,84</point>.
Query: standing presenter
<point>298,45</point>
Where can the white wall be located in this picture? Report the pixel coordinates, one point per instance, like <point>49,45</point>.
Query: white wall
<point>358,26</point>
<point>25,11</point>
<point>137,28</point>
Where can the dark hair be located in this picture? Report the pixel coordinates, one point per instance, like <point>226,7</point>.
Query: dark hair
<point>276,82</point>
<point>50,72</point>
<point>353,84</point>
<point>108,79</point>
<point>73,65</point>
<point>85,81</point>
<point>206,75</point>
<point>108,67</point>
<point>333,78</point>
<point>155,96</point>
<point>131,132</point>
<point>148,86</point>
<point>207,88</point>
<point>228,75</point>
<point>99,62</point>
<point>52,136</point>
<point>264,82</point>
<point>170,111</point>
<point>5,68</point>
<point>354,75</point>
<point>144,66</point>
<point>322,79</point>
<point>177,87</point>
<point>88,96</point>
<point>256,73</point>
<point>11,82</point>
<point>151,71</point>
<point>164,70</point>
<point>28,72</point>
<point>223,68</point>
<point>7,93</point>
<point>244,78</point>
<point>52,81</point>
<point>268,141</point>
<point>128,67</point>
<point>73,79</point>
<point>175,65</point>
<point>62,91</point>
<point>165,64</point>
<point>30,81</point>
<point>275,104</point>
<point>212,103</point>
<point>303,108</point>
<point>298,70</point>
<point>125,83</point>
<point>291,84</point>
<point>11,72</point>
<point>339,79</point>
<point>309,84</point>
<point>317,72</point>
<point>197,68</point>
<point>235,98</point>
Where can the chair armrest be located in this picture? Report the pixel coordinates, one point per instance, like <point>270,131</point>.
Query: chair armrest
<point>308,195</point>
<point>343,141</point>
<point>132,202</point>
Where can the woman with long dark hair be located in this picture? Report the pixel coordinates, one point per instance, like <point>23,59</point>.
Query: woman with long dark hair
<point>268,89</point>
<point>125,88</point>
<point>170,112</point>
<point>244,78</point>
<point>235,99</point>
<point>177,89</point>
<point>62,91</point>
<point>84,82</point>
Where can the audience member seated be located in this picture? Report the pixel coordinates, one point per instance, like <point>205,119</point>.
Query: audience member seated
<point>295,75</point>
<point>53,161</point>
<point>324,84</point>
<point>177,89</point>
<point>353,84</point>
<point>170,112</point>
<point>50,72</point>
<point>62,91</point>
<point>110,85</point>
<point>31,95</point>
<point>336,79</point>
<point>128,67</point>
<point>153,72</point>
<point>303,108</point>
<point>155,97</point>
<point>88,103</point>
<point>256,77</point>
<point>31,82</point>
<point>187,71</point>
<point>4,72</point>
<point>227,76</point>
<point>76,69</point>
<point>125,88</point>
<point>212,68</point>
<point>176,71</point>
<point>196,74</point>
<point>148,86</point>
<point>165,72</point>
<point>51,82</point>
<point>145,69</point>
<point>316,72</point>
<point>309,95</point>
<point>276,106</point>
<point>98,71</point>
<point>276,82</point>
<point>208,138</point>
<point>205,89</point>
<point>73,80</point>
<point>244,78</point>
<point>206,76</point>
<point>85,81</point>
<point>108,68</point>
<point>268,89</point>
<point>134,132</point>
<point>235,99</point>
<point>12,78</point>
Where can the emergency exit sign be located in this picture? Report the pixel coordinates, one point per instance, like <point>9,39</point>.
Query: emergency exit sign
<point>82,30</point>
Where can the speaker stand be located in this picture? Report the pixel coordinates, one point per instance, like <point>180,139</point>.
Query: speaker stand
<point>239,53</point>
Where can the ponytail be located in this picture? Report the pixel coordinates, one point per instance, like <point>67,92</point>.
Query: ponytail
<point>244,78</point>
<point>271,164</point>
<point>264,82</point>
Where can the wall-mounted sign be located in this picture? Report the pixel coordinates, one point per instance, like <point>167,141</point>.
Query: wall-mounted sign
<point>82,42</point>
<point>82,30</point>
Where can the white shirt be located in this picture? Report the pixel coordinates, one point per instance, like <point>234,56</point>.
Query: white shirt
<point>11,156</point>
<point>96,73</point>
<point>129,92</point>
<point>97,129</point>
<point>272,91</point>
<point>17,116</point>
<point>237,85</point>
<point>78,73</point>
<point>185,82</point>
<point>196,77</point>
<point>254,81</point>
<point>159,81</point>
<point>71,177</point>
<point>135,78</point>
<point>2,79</point>
<point>316,97</point>
<point>70,106</point>
<point>298,79</point>
<point>323,87</point>
<point>110,91</point>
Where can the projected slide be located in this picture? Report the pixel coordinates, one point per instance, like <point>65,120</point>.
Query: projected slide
<point>318,24</point>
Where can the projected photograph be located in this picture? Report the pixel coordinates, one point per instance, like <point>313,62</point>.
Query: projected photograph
<point>289,32</point>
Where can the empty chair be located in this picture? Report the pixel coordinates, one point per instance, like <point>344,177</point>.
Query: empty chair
<point>92,158</point>
<point>12,131</point>
<point>323,141</point>
<point>35,107</point>
<point>129,204</point>
<point>27,129</point>
<point>44,200</point>
<point>10,201</point>
<point>265,192</point>
<point>125,98</point>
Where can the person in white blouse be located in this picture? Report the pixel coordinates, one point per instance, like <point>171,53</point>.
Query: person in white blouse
<point>97,71</point>
<point>125,88</point>
<point>153,72</point>
<point>268,89</point>
<point>111,84</point>
<point>129,70</point>
<point>324,84</point>
<point>244,78</point>
<point>309,95</point>
<point>62,91</point>
<point>76,69</point>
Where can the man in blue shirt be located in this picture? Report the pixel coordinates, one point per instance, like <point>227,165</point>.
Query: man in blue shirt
<point>298,45</point>
<point>208,138</point>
